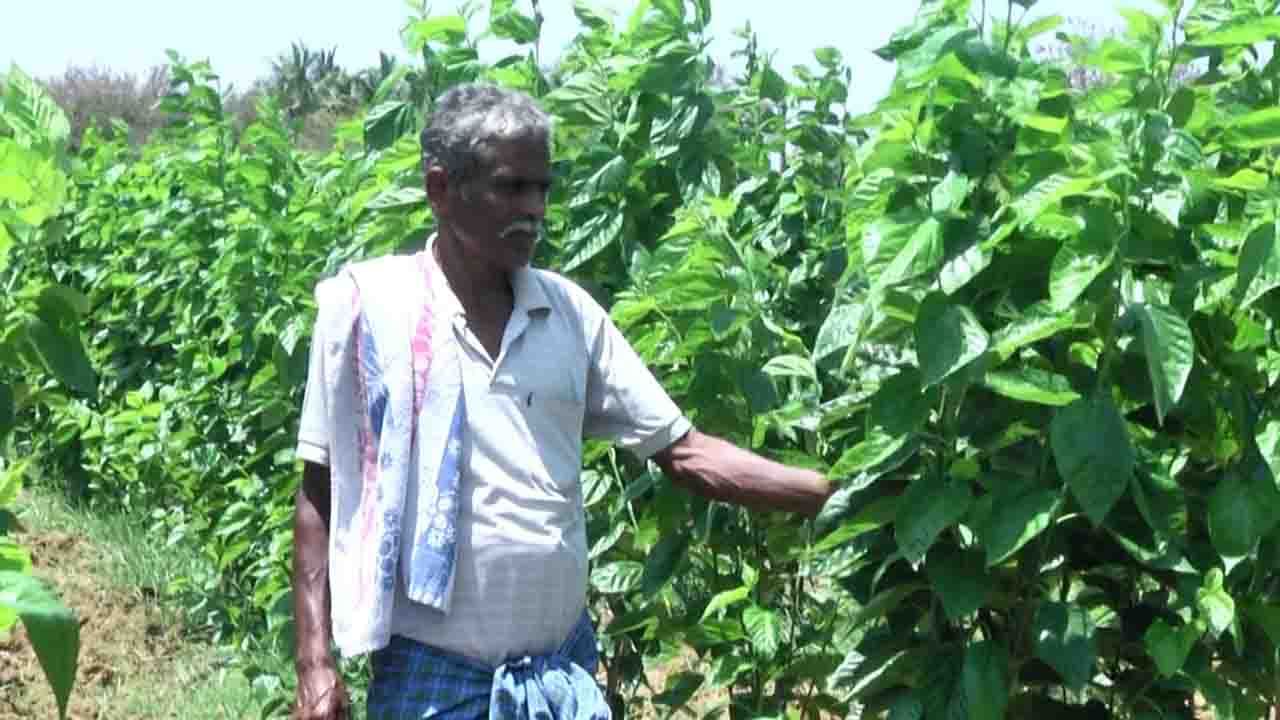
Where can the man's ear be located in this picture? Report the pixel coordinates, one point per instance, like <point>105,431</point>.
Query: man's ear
<point>437,181</point>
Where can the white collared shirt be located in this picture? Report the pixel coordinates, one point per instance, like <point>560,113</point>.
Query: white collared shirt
<point>563,371</point>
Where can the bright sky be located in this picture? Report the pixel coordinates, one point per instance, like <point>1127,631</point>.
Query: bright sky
<point>240,36</point>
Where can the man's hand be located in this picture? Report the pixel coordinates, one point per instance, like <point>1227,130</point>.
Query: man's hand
<point>720,470</point>
<point>321,694</point>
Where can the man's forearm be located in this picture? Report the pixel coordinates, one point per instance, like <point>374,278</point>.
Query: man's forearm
<point>311,601</point>
<point>720,470</point>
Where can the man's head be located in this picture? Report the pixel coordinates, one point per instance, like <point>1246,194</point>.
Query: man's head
<point>486,154</point>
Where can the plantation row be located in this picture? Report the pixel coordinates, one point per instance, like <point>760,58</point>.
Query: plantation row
<point>1030,327</point>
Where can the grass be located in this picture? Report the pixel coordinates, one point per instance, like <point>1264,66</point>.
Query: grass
<point>138,657</point>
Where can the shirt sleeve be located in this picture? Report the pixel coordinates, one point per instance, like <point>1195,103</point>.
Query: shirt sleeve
<point>625,403</point>
<point>313,431</point>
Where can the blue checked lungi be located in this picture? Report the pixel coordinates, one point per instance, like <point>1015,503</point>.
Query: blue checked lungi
<point>413,681</point>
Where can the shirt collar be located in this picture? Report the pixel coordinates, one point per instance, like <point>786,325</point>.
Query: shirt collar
<point>525,285</point>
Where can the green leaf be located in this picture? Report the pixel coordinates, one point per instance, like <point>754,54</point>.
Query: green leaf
<point>507,22</point>
<point>929,506</point>
<point>61,305</point>
<point>1268,439</point>
<point>1241,32</point>
<point>838,331</point>
<point>1025,511</point>
<point>618,577</point>
<point>14,557</point>
<point>948,337</point>
<point>1214,603</point>
<point>986,680</point>
<point>449,28</point>
<point>1247,179</point>
<point>397,198</point>
<point>791,366</point>
<point>764,628</point>
<point>8,412</point>
<point>1082,258</point>
<point>663,561</point>
<point>591,238</point>
<point>960,580</point>
<point>872,517</point>
<point>900,247</point>
<point>53,629</point>
<point>63,356</point>
<point>1170,351</point>
<point>1047,194</point>
<point>1237,521</point>
<point>1036,323</point>
<point>1092,450</point>
<point>1258,269</point>
<point>1257,129</point>
<point>726,599</point>
<point>1032,385</point>
<point>876,448</point>
<point>1169,646</point>
<point>1064,638</point>
<point>386,123</point>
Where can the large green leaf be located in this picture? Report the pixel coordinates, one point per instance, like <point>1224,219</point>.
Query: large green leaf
<point>1064,638</point>
<point>386,123</point>
<point>592,237</point>
<point>1257,129</point>
<point>1170,646</point>
<point>663,561</point>
<point>511,24</point>
<point>1258,269</point>
<point>1242,32</point>
<point>960,580</point>
<point>948,337</point>
<point>1237,520</point>
<point>1082,258</point>
<point>618,577</point>
<point>764,628</point>
<point>52,627</point>
<point>929,506</point>
<point>986,680</point>
<point>1020,513</point>
<point>1094,456</point>
<point>1170,351</point>
<point>1032,385</point>
<point>1036,323</point>
<point>63,356</point>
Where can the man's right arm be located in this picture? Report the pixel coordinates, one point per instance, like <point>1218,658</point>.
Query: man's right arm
<point>320,695</point>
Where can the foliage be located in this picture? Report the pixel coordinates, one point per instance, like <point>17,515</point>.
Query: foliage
<point>40,336</point>
<point>1030,326</point>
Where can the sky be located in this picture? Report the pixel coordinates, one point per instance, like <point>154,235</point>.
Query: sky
<point>240,37</point>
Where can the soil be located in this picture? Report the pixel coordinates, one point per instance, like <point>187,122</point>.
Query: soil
<point>123,640</point>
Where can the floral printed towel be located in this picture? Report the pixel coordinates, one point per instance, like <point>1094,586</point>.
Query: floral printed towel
<point>397,413</point>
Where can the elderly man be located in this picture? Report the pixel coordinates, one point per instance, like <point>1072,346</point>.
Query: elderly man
<point>440,524</point>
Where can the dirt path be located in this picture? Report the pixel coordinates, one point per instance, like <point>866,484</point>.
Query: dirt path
<point>134,662</point>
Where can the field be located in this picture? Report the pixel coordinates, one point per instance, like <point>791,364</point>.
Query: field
<point>1023,312</point>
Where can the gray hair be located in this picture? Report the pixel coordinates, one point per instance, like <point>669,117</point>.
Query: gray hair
<point>469,119</point>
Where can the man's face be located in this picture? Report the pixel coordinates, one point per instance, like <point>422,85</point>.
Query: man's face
<point>497,214</point>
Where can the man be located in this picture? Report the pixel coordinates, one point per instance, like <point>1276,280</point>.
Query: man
<point>520,364</point>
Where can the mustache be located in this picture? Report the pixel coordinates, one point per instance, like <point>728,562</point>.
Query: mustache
<point>533,227</point>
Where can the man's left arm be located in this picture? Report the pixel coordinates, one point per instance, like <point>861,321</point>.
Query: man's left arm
<point>719,470</point>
